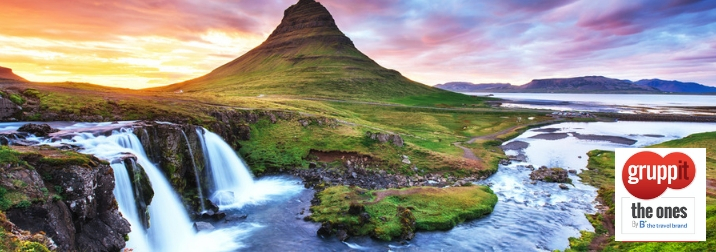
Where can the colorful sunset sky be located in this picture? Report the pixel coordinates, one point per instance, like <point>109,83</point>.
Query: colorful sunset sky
<point>146,43</point>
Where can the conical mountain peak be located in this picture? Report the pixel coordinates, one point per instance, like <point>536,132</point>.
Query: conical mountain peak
<point>306,55</point>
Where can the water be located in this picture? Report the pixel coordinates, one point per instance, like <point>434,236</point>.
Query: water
<point>196,172</point>
<point>621,103</point>
<point>528,217</point>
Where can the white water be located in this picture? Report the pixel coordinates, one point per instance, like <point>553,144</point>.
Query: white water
<point>125,197</point>
<point>171,228</point>
<point>233,185</point>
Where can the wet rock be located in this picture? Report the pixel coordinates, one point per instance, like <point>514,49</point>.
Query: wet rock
<point>515,145</point>
<point>342,235</point>
<point>563,187</point>
<point>203,226</point>
<point>505,162</point>
<point>572,171</point>
<point>209,214</point>
<point>556,175</point>
<point>40,130</point>
<point>85,219</point>
<point>325,230</point>
<point>236,217</point>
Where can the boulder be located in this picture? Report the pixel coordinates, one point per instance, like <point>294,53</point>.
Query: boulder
<point>40,130</point>
<point>342,235</point>
<point>563,187</point>
<point>553,175</point>
<point>203,226</point>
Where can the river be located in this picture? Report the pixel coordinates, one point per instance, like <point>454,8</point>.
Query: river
<point>528,217</point>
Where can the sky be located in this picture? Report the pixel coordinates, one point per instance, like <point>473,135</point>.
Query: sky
<point>147,43</point>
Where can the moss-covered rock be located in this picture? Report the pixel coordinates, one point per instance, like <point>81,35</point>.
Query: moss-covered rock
<point>63,194</point>
<point>398,213</point>
<point>142,186</point>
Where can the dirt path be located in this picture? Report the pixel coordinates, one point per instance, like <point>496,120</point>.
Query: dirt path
<point>467,152</point>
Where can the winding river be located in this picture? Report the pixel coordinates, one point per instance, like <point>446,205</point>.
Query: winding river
<point>528,217</point>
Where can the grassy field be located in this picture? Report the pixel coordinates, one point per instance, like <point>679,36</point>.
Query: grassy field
<point>601,175</point>
<point>395,212</point>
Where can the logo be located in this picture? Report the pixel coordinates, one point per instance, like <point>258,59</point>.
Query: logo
<point>646,175</point>
<point>659,194</point>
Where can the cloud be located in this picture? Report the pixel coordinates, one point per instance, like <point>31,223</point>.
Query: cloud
<point>143,43</point>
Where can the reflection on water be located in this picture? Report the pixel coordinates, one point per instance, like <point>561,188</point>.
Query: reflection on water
<point>619,103</point>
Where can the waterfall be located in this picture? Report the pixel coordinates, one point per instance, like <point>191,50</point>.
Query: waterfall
<point>196,173</point>
<point>125,198</point>
<point>231,185</point>
<point>170,221</point>
<point>232,180</point>
<point>171,228</point>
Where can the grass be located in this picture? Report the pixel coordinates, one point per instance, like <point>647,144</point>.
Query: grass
<point>701,140</point>
<point>444,100</point>
<point>394,212</point>
<point>600,174</point>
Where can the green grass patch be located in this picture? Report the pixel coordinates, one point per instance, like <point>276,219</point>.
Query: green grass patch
<point>444,100</point>
<point>391,211</point>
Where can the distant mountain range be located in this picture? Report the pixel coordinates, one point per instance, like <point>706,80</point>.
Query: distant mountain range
<point>6,73</point>
<point>586,84</point>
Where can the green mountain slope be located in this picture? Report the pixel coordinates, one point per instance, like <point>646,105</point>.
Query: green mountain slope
<point>306,55</point>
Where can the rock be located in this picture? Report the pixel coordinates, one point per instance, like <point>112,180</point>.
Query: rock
<point>235,217</point>
<point>8,109</point>
<point>325,230</point>
<point>86,219</point>
<point>203,226</point>
<point>579,156</point>
<point>397,140</point>
<point>572,171</point>
<point>40,130</point>
<point>143,191</point>
<point>342,235</point>
<point>563,186</point>
<point>545,174</point>
<point>209,214</point>
<point>405,160</point>
<point>505,162</point>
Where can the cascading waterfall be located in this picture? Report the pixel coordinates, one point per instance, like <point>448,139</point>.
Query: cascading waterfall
<point>125,198</point>
<point>196,173</point>
<point>231,177</point>
<point>171,228</point>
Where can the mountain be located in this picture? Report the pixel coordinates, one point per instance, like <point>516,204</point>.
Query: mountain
<point>676,86</point>
<point>306,55</point>
<point>6,73</point>
<point>586,84</point>
<point>472,87</point>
